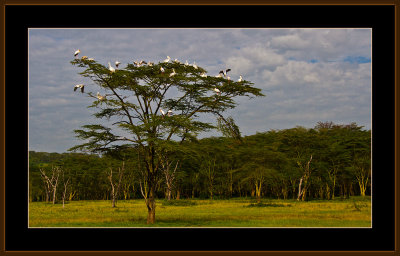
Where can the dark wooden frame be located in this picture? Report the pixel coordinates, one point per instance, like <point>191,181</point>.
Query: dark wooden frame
<point>394,3</point>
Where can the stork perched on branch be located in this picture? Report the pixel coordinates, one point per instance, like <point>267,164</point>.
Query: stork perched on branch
<point>98,96</point>
<point>167,59</point>
<point>111,68</point>
<point>217,91</point>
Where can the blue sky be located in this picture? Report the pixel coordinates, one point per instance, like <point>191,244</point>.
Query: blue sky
<point>307,75</point>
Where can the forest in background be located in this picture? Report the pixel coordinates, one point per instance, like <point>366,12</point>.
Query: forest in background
<point>324,162</point>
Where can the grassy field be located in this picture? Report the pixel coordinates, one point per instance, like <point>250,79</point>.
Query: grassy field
<point>353,212</point>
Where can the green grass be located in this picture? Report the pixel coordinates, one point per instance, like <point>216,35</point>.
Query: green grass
<point>353,212</point>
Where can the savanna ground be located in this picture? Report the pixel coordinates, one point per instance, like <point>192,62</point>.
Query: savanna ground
<point>240,212</point>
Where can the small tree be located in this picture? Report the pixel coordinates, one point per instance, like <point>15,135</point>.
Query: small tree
<point>66,184</point>
<point>151,105</point>
<point>115,187</point>
<point>305,167</point>
<point>51,184</point>
<point>169,175</point>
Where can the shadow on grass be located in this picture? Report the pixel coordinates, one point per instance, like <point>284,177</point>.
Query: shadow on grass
<point>268,205</point>
<point>179,203</point>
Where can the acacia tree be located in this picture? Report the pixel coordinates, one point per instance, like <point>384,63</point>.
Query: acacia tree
<point>136,101</point>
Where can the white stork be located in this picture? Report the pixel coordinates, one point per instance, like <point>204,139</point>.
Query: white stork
<point>169,112</point>
<point>162,112</point>
<point>111,68</point>
<point>173,73</point>
<point>240,79</point>
<point>162,70</point>
<point>203,74</point>
<point>217,91</point>
<point>225,72</point>
<point>81,86</point>
<point>167,59</point>
<point>77,52</point>
<point>186,63</point>
<point>117,63</point>
<point>194,65</point>
<point>98,96</point>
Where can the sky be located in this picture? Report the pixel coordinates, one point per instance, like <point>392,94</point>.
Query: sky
<point>307,75</point>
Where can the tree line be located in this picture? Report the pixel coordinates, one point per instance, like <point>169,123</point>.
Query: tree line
<point>324,162</point>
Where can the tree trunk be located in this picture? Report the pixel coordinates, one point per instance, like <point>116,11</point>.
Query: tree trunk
<point>151,207</point>
<point>54,194</point>
<point>169,194</point>
<point>258,192</point>
<point>300,190</point>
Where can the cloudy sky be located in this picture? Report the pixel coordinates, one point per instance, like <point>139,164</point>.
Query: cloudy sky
<point>307,75</point>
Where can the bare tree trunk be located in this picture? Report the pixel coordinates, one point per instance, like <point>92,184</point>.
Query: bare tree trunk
<point>115,188</point>
<point>300,190</point>
<point>169,176</point>
<point>47,184</point>
<point>65,190</point>
<point>305,177</point>
<point>258,191</point>
<point>51,183</point>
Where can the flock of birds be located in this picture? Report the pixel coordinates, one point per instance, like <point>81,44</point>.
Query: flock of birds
<point>221,74</point>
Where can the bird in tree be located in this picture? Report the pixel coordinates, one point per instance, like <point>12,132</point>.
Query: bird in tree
<point>99,97</point>
<point>162,112</point>
<point>194,65</point>
<point>81,86</point>
<point>134,118</point>
<point>225,72</point>
<point>240,79</point>
<point>203,74</point>
<point>173,73</point>
<point>167,59</point>
<point>117,64</point>
<point>112,69</point>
